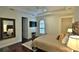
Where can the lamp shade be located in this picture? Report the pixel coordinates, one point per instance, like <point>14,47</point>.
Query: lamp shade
<point>69,30</point>
<point>5,28</point>
<point>73,42</point>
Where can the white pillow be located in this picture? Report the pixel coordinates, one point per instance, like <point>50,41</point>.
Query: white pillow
<point>65,39</point>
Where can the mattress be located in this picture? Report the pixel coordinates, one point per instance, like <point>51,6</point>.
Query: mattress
<point>50,43</point>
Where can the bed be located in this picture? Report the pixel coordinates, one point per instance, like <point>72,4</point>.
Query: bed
<point>50,43</point>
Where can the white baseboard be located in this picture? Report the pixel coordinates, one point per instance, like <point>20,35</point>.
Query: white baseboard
<point>7,42</point>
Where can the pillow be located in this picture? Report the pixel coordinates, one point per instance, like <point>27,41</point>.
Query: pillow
<point>60,37</point>
<point>65,39</point>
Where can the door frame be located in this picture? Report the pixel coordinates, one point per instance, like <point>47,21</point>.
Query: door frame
<point>22,25</point>
<point>70,16</point>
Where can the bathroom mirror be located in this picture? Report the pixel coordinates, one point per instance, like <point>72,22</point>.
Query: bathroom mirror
<point>7,28</point>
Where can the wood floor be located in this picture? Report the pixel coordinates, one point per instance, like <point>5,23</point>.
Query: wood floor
<point>18,47</point>
<point>15,48</point>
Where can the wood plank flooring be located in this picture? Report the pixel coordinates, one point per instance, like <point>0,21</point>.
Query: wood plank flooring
<point>15,48</point>
<point>18,47</point>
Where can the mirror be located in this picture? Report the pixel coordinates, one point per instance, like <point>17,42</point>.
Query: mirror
<point>8,28</point>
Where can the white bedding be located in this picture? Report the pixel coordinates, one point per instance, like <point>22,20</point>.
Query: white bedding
<point>50,43</point>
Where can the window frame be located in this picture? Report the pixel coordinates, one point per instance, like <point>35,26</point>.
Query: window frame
<point>42,28</point>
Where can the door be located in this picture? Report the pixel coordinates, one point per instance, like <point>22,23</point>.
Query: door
<point>0,31</point>
<point>24,28</point>
<point>65,24</point>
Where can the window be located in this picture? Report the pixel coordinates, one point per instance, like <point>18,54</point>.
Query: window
<point>42,27</point>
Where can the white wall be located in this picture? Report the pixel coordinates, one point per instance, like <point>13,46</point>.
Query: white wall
<point>30,18</point>
<point>7,13</point>
<point>38,18</point>
<point>52,24</point>
<point>32,29</point>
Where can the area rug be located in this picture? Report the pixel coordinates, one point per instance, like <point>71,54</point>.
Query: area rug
<point>28,44</point>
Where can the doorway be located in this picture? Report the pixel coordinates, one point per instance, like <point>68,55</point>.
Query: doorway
<point>65,24</point>
<point>24,29</point>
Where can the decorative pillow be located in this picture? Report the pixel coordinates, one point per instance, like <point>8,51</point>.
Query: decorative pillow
<point>65,39</point>
<point>60,37</point>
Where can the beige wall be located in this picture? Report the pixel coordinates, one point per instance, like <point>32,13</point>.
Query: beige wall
<point>52,24</point>
<point>67,16</point>
<point>76,14</point>
<point>7,13</point>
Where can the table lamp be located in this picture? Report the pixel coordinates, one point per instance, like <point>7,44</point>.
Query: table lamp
<point>69,30</point>
<point>5,28</point>
<point>73,42</point>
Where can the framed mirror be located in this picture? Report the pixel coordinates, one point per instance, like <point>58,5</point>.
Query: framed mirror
<point>7,28</point>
